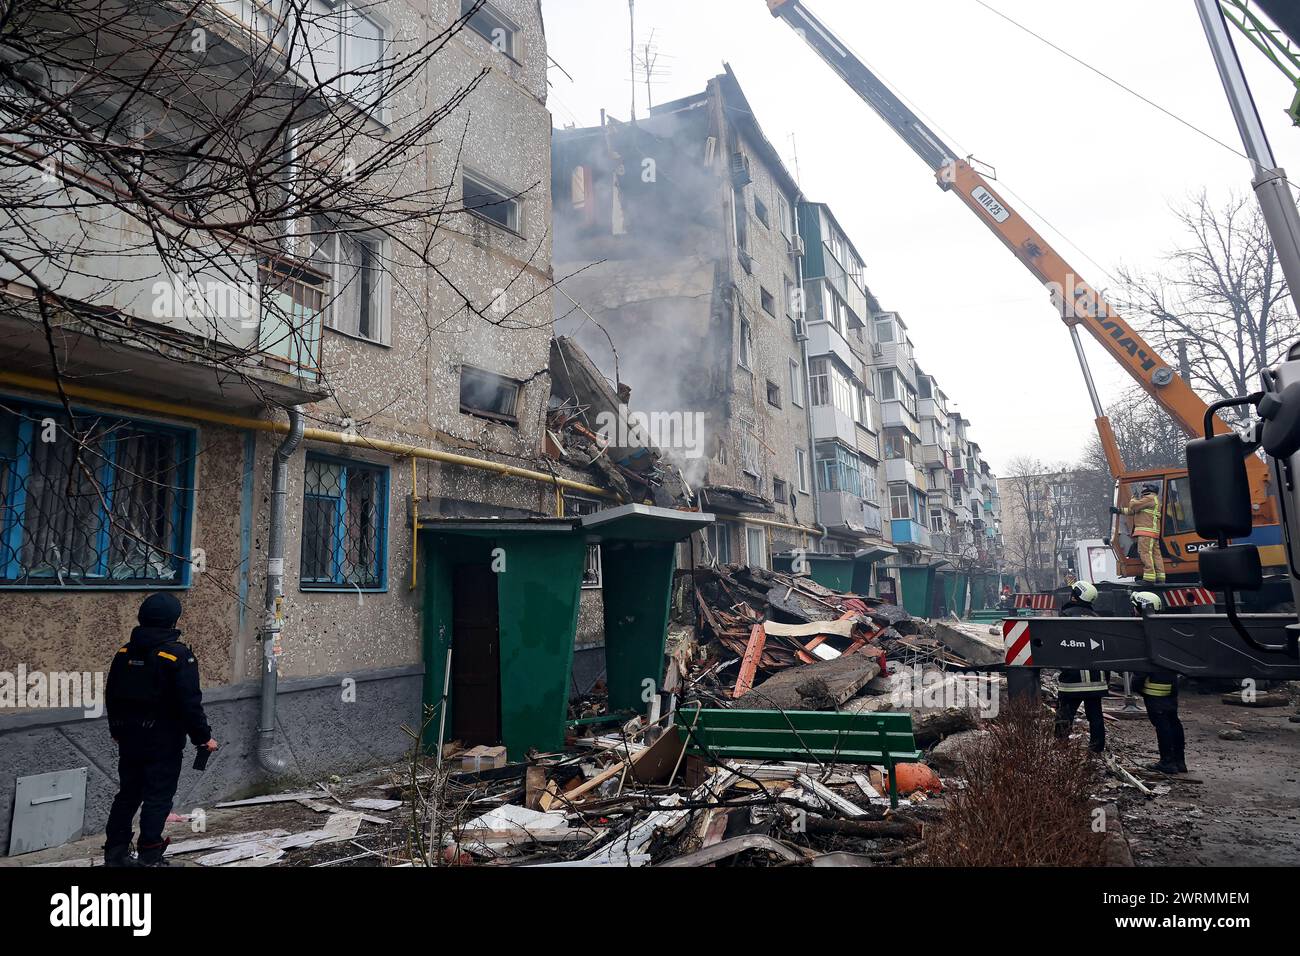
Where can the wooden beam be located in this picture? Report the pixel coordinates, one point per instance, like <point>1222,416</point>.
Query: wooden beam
<point>749,663</point>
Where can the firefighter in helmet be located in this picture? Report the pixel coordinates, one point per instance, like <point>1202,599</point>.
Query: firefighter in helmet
<point>1086,688</point>
<point>1145,511</point>
<point>1160,695</point>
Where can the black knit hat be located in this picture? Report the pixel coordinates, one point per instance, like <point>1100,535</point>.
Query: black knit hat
<point>160,610</point>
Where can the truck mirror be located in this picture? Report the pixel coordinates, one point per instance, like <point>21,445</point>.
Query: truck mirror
<point>1216,469</point>
<point>1236,568</point>
<point>1281,414</point>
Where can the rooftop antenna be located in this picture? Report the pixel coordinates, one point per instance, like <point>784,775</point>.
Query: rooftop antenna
<point>648,62</point>
<point>794,146</point>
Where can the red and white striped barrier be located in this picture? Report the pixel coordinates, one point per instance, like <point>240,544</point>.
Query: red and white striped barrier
<point>1037,602</point>
<point>1015,639</point>
<point>1188,597</point>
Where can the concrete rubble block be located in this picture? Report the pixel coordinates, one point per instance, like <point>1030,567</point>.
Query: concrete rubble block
<point>971,642</point>
<point>949,753</point>
<point>825,685</point>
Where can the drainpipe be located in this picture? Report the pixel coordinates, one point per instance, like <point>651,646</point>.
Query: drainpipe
<point>807,394</point>
<point>273,621</point>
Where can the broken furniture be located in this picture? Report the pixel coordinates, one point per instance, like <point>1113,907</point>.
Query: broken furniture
<point>821,736</point>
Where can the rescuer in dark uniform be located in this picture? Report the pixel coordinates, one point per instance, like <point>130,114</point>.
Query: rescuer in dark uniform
<point>1081,687</point>
<point>153,701</point>
<point>1160,694</point>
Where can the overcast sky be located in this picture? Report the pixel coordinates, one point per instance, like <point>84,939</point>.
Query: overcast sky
<point>1093,161</point>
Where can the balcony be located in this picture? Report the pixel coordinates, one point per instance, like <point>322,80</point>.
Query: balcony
<point>829,422</point>
<point>843,509</point>
<point>824,339</point>
<point>905,531</point>
<point>934,456</point>
<point>902,470</point>
<point>234,330</point>
<point>930,408</point>
<point>896,413</point>
<point>940,479</point>
<point>839,280</point>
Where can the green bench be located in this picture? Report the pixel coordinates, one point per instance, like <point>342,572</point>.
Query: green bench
<point>806,735</point>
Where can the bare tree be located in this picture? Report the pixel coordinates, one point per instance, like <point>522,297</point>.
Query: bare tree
<point>1039,521</point>
<point>1221,297</point>
<point>194,178</point>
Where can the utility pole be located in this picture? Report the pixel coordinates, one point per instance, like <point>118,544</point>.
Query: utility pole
<point>631,50</point>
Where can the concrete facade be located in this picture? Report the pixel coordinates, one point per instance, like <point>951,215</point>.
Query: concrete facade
<point>692,212</point>
<point>399,383</point>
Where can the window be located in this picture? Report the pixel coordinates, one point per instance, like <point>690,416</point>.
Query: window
<point>591,569</point>
<point>718,538</point>
<point>769,303</point>
<point>344,524</point>
<point>780,491</point>
<point>356,262</point>
<point>746,344</point>
<point>773,394</point>
<point>796,383</point>
<point>489,201</point>
<point>1177,506</point>
<point>756,547</point>
<point>888,386</point>
<point>885,330</point>
<point>492,26</point>
<point>750,458</point>
<point>936,520</point>
<point>741,215</point>
<point>819,381</point>
<point>783,216</point>
<point>116,514</point>
<point>863,406</point>
<point>791,309</point>
<point>488,395</point>
<point>760,212</point>
<point>801,460</point>
<point>364,72</point>
<point>899,502</point>
<point>838,469</point>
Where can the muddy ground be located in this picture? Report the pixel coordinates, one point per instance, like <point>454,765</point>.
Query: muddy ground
<point>1240,803</point>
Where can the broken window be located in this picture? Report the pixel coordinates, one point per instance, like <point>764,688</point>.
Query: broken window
<point>487,200</point>
<point>756,547</point>
<point>780,491</point>
<point>768,301</point>
<point>489,395</point>
<point>760,212</point>
<point>796,382</point>
<point>751,461</point>
<point>773,394</point>
<point>344,524</point>
<point>591,568</point>
<point>356,263</point>
<point>746,344</point>
<point>801,461</point>
<point>97,501</point>
<point>718,538</point>
<point>741,215</point>
<point>492,25</point>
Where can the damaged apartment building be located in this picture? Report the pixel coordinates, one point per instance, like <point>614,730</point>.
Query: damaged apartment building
<point>702,282</point>
<point>339,466</point>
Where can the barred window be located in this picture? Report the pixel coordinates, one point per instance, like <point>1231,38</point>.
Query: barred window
<point>93,501</point>
<point>344,524</point>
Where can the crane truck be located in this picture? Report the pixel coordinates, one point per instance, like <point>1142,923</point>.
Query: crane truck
<point>1079,305</point>
<point>1241,508</point>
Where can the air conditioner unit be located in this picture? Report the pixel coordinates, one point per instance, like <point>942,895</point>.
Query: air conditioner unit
<point>800,330</point>
<point>796,247</point>
<point>740,170</point>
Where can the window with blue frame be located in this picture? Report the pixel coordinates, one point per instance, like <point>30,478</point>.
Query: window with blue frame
<point>344,524</point>
<point>94,500</point>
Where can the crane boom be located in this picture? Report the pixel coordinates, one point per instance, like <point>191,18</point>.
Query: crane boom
<point>1078,303</point>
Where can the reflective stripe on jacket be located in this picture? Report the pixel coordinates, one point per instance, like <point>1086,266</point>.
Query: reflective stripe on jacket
<point>1083,682</point>
<point>1153,688</point>
<point>1146,515</point>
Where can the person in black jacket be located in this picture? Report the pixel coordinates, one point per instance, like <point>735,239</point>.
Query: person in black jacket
<point>1081,687</point>
<point>1160,695</point>
<point>153,701</point>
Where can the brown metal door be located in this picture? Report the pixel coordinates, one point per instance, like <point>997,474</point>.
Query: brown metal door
<point>475,656</point>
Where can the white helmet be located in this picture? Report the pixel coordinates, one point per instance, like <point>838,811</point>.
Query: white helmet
<point>1146,602</point>
<point>1084,591</point>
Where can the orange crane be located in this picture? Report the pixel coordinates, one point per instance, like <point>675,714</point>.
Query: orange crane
<point>1078,305</point>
